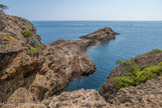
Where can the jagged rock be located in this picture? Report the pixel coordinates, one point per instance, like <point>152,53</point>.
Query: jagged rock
<point>108,90</point>
<point>77,99</point>
<point>37,80</point>
<point>20,95</point>
<point>147,95</point>
<point>11,36</point>
<point>44,74</point>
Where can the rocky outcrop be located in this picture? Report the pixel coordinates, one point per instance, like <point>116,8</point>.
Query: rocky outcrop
<point>77,99</point>
<point>145,95</point>
<point>109,92</point>
<point>37,80</point>
<point>17,68</point>
<point>29,73</point>
<point>12,39</point>
<point>101,35</point>
<point>63,61</point>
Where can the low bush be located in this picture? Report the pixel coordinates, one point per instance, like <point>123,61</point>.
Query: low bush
<point>155,51</point>
<point>39,47</point>
<point>32,51</point>
<point>136,76</point>
<point>119,61</point>
<point>129,65</point>
<point>27,33</point>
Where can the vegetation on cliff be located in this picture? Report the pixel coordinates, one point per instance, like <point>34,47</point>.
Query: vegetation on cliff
<point>136,75</point>
<point>155,51</point>
<point>33,50</point>
<point>27,33</point>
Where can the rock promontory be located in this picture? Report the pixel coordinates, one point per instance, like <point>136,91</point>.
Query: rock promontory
<point>31,71</point>
<point>101,35</point>
<point>33,74</point>
<point>145,95</point>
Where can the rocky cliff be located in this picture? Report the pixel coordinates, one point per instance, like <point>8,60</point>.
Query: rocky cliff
<point>35,74</point>
<point>145,95</point>
<point>31,71</point>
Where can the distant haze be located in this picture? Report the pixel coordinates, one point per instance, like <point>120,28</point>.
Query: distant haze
<point>125,10</point>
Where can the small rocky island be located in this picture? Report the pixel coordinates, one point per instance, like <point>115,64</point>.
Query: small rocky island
<point>36,74</point>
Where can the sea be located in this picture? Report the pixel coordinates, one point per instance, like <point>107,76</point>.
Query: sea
<point>136,37</point>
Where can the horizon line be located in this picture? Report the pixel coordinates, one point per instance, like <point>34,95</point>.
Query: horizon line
<point>95,20</point>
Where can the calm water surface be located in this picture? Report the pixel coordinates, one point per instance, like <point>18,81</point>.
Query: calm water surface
<point>136,38</point>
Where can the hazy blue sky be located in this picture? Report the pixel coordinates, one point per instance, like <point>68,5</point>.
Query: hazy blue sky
<point>85,9</point>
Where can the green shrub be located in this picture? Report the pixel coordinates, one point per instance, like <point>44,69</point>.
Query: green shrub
<point>27,33</point>
<point>155,51</point>
<point>39,47</point>
<point>136,76</point>
<point>119,61</point>
<point>122,82</point>
<point>129,65</point>
<point>32,51</point>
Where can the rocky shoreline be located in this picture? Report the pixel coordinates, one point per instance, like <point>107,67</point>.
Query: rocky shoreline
<point>47,72</point>
<point>36,74</point>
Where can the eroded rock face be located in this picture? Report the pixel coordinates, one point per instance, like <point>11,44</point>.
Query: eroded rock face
<point>77,99</point>
<point>64,60</point>
<point>147,95</point>
<point>17,68</point>
<point>41,77</point>
<point>12,38</point>
<point>44,74</point>
<point>108,90</point>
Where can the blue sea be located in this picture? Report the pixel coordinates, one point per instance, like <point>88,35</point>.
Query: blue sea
<point>136,37</point>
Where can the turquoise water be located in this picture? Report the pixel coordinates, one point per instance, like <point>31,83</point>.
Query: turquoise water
<point>135,38</point>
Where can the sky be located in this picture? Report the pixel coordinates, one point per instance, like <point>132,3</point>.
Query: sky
<point>58,10</point>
